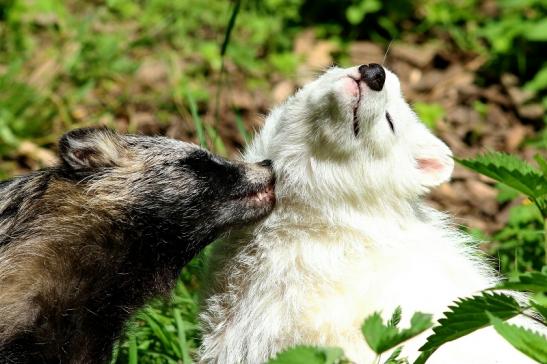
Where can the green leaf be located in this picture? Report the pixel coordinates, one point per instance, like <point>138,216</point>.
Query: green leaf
<point>539,82</point>
<point>356,13</point>
<point>540,308</point>
<point>523,215</point>
<point>542,163</point>
<point>527,341</point>
<point>308,355</point>
<point>529,282</point>
<point>466,316</point>
<point>429,113</point>
<point>394,357</point>
<point>395,317</point>
<point>382,337</point>
<point>506,193</point>
<point>511,170</point>
<point>536,31</point>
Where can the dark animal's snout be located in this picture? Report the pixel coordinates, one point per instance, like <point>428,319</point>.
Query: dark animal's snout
<point>373,75</point>
<point>265,163</point>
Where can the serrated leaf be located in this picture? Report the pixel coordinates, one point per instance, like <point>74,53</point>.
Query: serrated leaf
<point>541,309</point>
<point>308,355</point>
<point>466,316</point>
<point>510,170</point>
<point>395,317</point>
<point>394,357</point>
<point>527,341</point>
<point>530,282</point>
<point>382,337</point>
<point>542,163</point>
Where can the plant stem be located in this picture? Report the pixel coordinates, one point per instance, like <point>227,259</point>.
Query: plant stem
<point>543,214</point>
<point>223,49</point>
<point>545,238</point>
<point>534,318</point>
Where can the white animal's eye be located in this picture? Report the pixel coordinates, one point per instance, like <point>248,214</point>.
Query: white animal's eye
<point>390,122</point>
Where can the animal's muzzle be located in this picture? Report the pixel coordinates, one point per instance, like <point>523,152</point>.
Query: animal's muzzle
<point>373,75</point>
<point>265,163</point>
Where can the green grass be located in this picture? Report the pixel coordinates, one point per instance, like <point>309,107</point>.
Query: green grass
<point>166,331</point>
<point>69,64</point>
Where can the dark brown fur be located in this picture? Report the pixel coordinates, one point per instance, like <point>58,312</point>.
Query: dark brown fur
<point>86,243</point>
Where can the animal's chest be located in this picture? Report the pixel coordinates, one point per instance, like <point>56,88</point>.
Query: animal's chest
<point>351,276</point>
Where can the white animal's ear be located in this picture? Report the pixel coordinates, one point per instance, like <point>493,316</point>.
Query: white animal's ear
<point>89,148</point>
<point>433,159</point>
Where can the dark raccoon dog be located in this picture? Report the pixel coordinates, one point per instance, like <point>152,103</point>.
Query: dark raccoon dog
<point>87,242</point>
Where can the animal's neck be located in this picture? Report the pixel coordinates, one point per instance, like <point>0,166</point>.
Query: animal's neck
<point>350,212</point>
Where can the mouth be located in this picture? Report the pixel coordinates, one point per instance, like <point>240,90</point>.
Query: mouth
<point>251,206</point>
<point>261,197</point>
<point>356,108</point>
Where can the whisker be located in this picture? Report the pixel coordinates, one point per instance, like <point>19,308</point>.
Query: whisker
<point>387,51</point>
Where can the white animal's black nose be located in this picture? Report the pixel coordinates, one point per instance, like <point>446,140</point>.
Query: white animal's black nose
<point>373,75</point>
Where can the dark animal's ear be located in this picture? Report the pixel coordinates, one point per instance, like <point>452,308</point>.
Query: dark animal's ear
<point>89,148</point>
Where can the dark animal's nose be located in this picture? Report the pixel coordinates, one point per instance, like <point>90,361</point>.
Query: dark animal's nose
<point>265,163</point>
<point>373,75</point>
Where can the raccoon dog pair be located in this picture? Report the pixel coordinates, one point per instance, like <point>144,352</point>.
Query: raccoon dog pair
<point>349,235</point>
<point>87,242</point>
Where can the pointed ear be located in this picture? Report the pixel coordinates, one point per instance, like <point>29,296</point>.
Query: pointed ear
<point>89,148</point>
<point>433,159</point>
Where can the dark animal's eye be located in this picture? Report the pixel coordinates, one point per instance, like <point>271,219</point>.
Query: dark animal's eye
<point>390,122</point>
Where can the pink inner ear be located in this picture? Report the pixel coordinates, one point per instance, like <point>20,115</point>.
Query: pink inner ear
<point>430,165</point>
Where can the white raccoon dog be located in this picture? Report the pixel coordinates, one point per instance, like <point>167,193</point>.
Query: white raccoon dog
<point>350,234</point>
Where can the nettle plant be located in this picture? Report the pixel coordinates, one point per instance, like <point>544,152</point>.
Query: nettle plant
<point>491,307</point>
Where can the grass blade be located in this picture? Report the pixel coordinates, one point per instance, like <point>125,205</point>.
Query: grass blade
<point>182,337</point>
<point>242,130</point>
<point>133,350</point>
<point>198,123</point>
<point>231,24</point>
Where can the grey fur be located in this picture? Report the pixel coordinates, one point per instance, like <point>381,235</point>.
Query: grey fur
<point>87,242</point>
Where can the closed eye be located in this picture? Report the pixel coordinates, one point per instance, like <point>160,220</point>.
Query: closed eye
<point>390,122</point>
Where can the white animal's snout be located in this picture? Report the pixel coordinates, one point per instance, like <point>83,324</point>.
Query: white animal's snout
<point>371,76</point>
<point>363,84</point>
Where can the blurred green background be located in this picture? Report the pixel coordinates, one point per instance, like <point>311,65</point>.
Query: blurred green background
<point>207,70</point>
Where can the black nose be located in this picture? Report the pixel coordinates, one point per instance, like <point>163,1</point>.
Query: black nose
<point>265,163</point>
<point>373,75</point>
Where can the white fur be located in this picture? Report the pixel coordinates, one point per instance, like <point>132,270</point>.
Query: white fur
<point>349,235</point>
